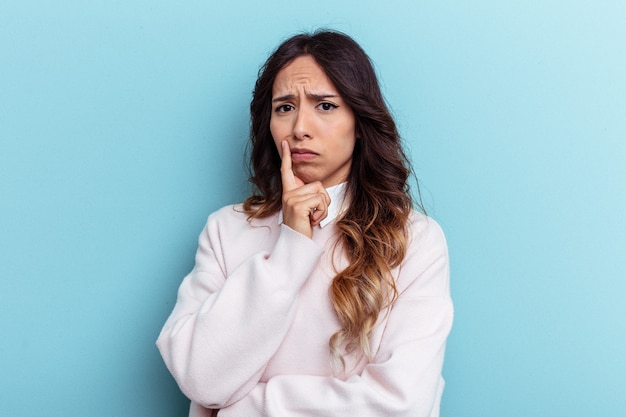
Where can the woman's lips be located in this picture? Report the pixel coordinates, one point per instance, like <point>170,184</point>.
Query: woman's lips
<point>302,155</point>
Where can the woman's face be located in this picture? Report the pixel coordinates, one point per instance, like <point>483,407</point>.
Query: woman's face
<point>309,113</point>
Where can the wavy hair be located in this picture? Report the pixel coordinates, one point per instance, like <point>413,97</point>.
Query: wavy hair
<point>372,229</point>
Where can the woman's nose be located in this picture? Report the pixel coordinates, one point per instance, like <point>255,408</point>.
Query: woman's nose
<point>302,128</point>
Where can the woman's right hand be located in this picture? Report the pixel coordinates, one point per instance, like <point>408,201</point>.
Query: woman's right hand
<point>304,205</point>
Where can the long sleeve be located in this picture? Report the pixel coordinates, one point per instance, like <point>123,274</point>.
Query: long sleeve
<point>404,377</point>
<point>230,317</point>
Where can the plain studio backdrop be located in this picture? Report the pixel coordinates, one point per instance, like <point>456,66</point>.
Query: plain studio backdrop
<point>123,125</point>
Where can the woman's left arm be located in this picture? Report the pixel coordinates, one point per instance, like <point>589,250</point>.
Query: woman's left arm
<point>404,378</point>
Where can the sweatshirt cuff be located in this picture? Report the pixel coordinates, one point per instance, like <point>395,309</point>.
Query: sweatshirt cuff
<point>296,254</point>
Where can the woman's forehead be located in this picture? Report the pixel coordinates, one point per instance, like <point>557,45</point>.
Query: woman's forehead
<point>303,74</point>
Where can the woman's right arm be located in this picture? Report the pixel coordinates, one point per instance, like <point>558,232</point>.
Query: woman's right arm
<point>224,329</point>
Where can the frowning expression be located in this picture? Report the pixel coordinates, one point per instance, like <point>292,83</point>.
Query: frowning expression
<point>309,113</point>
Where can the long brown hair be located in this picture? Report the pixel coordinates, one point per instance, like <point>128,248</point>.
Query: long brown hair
<point>373,228</point>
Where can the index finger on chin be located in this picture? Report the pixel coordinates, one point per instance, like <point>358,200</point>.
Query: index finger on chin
<point>286,172</point>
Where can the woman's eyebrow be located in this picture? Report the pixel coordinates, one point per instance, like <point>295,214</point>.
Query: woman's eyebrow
<point>317,97</point>
<point>320,97</point>
<point>283,98</point>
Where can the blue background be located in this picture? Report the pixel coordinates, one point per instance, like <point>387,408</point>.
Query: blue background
<point>123,124</point>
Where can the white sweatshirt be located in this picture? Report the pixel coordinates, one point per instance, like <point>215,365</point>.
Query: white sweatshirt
<point>249,333</point>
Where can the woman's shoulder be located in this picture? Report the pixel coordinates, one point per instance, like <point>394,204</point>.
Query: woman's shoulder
<point>425,235</point>
<point>425,269</point>
<point>235,216</point>
<point>420,224</point>
<point>229,213</point>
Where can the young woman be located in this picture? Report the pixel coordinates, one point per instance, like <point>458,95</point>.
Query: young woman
<point>325,293</point>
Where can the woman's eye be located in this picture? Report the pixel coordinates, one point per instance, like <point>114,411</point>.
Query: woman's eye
<point>327,106</point>
<point>284,108</point>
